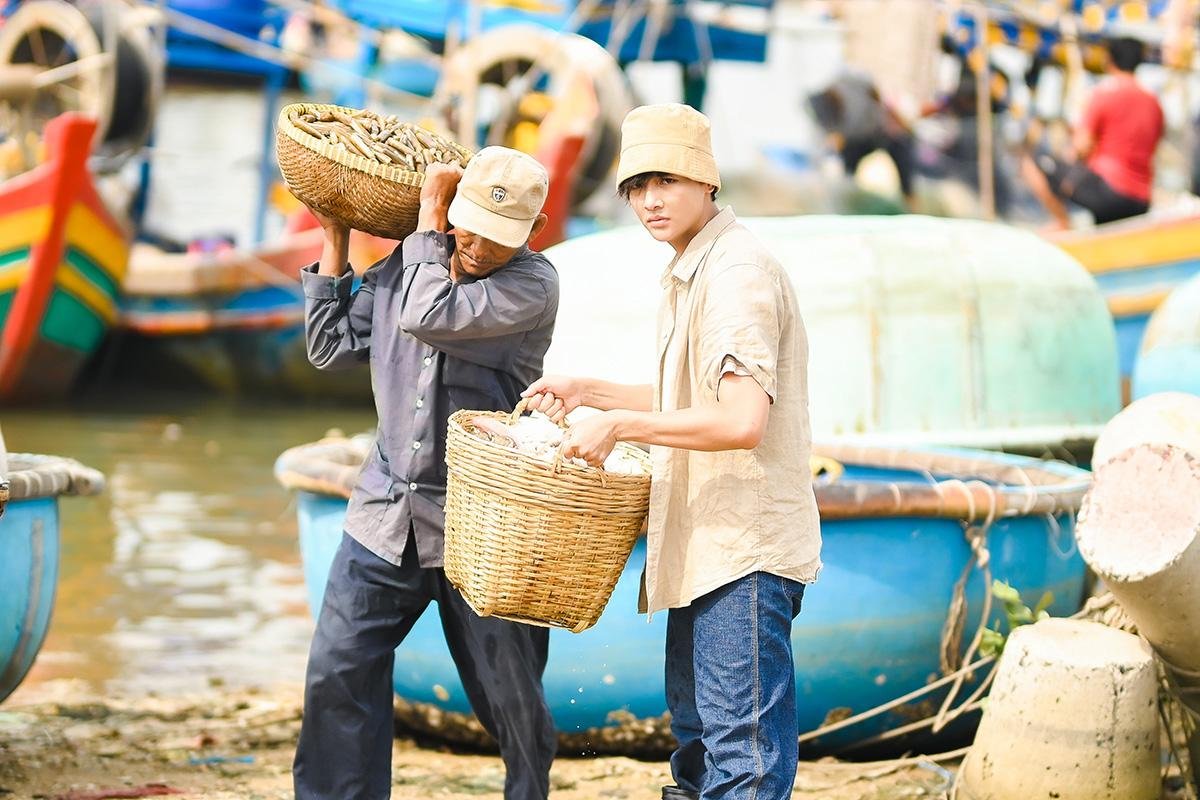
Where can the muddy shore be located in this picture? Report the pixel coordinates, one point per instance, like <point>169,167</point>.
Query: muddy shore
<point>59,742</point>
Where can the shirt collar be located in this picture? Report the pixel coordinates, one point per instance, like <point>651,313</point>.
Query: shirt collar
<point>684,265</point>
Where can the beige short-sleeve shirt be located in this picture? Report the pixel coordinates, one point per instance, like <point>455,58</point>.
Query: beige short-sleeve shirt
<point>716,517</point>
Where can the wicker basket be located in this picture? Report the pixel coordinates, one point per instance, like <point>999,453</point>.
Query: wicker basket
<point>536,542</point>
<point>366,195</point>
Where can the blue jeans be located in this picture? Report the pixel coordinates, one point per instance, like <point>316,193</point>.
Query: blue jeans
<point>731,690</point>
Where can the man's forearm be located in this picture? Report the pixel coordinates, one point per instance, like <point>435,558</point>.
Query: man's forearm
<point>334,253</point>
<point>608,396</point>
<point>706,428</point>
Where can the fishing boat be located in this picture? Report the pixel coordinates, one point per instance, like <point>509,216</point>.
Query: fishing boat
<point>231,319</point>
<point>898,525</point>
<point>29,553</point>
<point>922,331</point>
<point>1137,263</point>
<point>62,260</point>
<point>1169,360</point>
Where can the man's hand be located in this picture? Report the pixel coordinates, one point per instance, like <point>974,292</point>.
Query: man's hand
<point>334,229</point>
<point>555,396</point>
<point>437,190</point>
<point>591,439</point>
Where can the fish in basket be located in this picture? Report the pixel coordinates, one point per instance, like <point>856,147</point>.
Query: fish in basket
<point>533,537</point>
<point>359,167</point>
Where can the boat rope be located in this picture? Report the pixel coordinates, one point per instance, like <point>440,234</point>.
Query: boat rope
<point>33,476</point>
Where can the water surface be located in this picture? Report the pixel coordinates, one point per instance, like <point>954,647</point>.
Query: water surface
<point>186,571</point>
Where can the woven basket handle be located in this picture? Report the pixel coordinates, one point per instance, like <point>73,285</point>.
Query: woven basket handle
<point>520,409</point>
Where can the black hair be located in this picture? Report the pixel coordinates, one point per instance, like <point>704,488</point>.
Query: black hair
<point>639,181</point>
<point>1126,53</point>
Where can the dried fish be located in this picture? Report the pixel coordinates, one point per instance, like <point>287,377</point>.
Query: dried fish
<point>382,139</point>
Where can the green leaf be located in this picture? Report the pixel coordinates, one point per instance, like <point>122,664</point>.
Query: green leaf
<point>991,643</point>
<point>1043,604</point>
<point>1005,593</point>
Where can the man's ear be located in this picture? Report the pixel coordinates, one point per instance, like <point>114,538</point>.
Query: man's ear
<point>538,224</point>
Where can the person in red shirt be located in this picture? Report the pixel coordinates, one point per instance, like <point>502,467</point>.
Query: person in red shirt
<point>1112,170</point>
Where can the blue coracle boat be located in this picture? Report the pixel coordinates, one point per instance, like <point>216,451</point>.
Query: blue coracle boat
<point>871,628</point>
<point>1170,351</point>
<point>29,552</point>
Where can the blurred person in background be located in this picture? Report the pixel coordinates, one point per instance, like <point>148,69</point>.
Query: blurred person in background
<point>1110,169</point>
<point>857,122</point>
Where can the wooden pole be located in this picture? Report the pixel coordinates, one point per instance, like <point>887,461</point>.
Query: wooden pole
<point>983,114</point>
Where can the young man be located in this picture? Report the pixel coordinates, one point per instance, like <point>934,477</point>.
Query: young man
<point>447,321</point>
<point>1112,171</point>
<point>733,533</point>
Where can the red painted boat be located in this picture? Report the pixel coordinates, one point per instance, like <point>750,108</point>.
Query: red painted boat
<point>62,260</point>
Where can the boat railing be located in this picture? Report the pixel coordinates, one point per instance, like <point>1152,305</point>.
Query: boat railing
<point>33,476</point>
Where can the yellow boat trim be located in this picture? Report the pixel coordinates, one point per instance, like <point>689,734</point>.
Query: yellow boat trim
<point>24,228</point>
<point>1136,305</point>
<point>1135,248</point>
<point>86,292</point>
<point>91,235</point>
<point>13,274</point>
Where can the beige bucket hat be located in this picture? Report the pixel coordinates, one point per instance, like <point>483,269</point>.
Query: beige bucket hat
<point>500,195</point>
<point>668,137</point>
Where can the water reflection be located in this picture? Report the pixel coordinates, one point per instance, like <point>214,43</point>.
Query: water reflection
<point>186,570</point>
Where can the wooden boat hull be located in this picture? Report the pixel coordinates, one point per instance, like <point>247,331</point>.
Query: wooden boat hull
<point>62,258</point>
<point>29,557</point>
<point>869,630</point>
<point>231,321</point>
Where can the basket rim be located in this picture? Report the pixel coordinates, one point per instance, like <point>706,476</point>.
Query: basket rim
<point>606,478</point>
<point>354,161</point>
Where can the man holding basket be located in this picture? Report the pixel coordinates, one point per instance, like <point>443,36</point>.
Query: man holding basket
<point>450,320</point>
<point>733,534</point>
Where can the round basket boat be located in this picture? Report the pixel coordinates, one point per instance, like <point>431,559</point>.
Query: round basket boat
<point>532,540</point>
<point>29,553</point>
<point>894,523</point>
<point>365,194</point>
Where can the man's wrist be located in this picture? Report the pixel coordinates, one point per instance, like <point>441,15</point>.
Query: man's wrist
<point>587,393</point>
<point>434,217</point>
<point>622,421</point>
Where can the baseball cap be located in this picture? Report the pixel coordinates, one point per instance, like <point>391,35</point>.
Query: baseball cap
<point>500,195</point>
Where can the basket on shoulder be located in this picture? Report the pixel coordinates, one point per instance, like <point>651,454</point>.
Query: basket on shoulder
<point>532,537</point>
<point>359,167</point>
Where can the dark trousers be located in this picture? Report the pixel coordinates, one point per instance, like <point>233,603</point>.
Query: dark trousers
<point>370,605</point>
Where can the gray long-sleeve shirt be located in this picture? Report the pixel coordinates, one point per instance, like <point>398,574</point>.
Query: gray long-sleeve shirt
<point>435,346</point>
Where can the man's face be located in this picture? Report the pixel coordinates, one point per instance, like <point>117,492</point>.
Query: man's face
<point>671,207</point>
<point>479,257</point>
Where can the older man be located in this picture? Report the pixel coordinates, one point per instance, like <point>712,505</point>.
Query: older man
<point>450,320</point>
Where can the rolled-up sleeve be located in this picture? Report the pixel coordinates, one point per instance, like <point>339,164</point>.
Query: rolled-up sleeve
<point>741,321</point>
<point>337,319</point>
<point>451,316</point>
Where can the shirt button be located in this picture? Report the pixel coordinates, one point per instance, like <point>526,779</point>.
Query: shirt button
<point>428,361</point>
<point>420,402</point>
<point>412,487</point>
<point>416,445</point>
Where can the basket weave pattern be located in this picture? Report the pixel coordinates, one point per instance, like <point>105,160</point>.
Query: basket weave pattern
<point>380,199</point>
<point>536,542</point>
